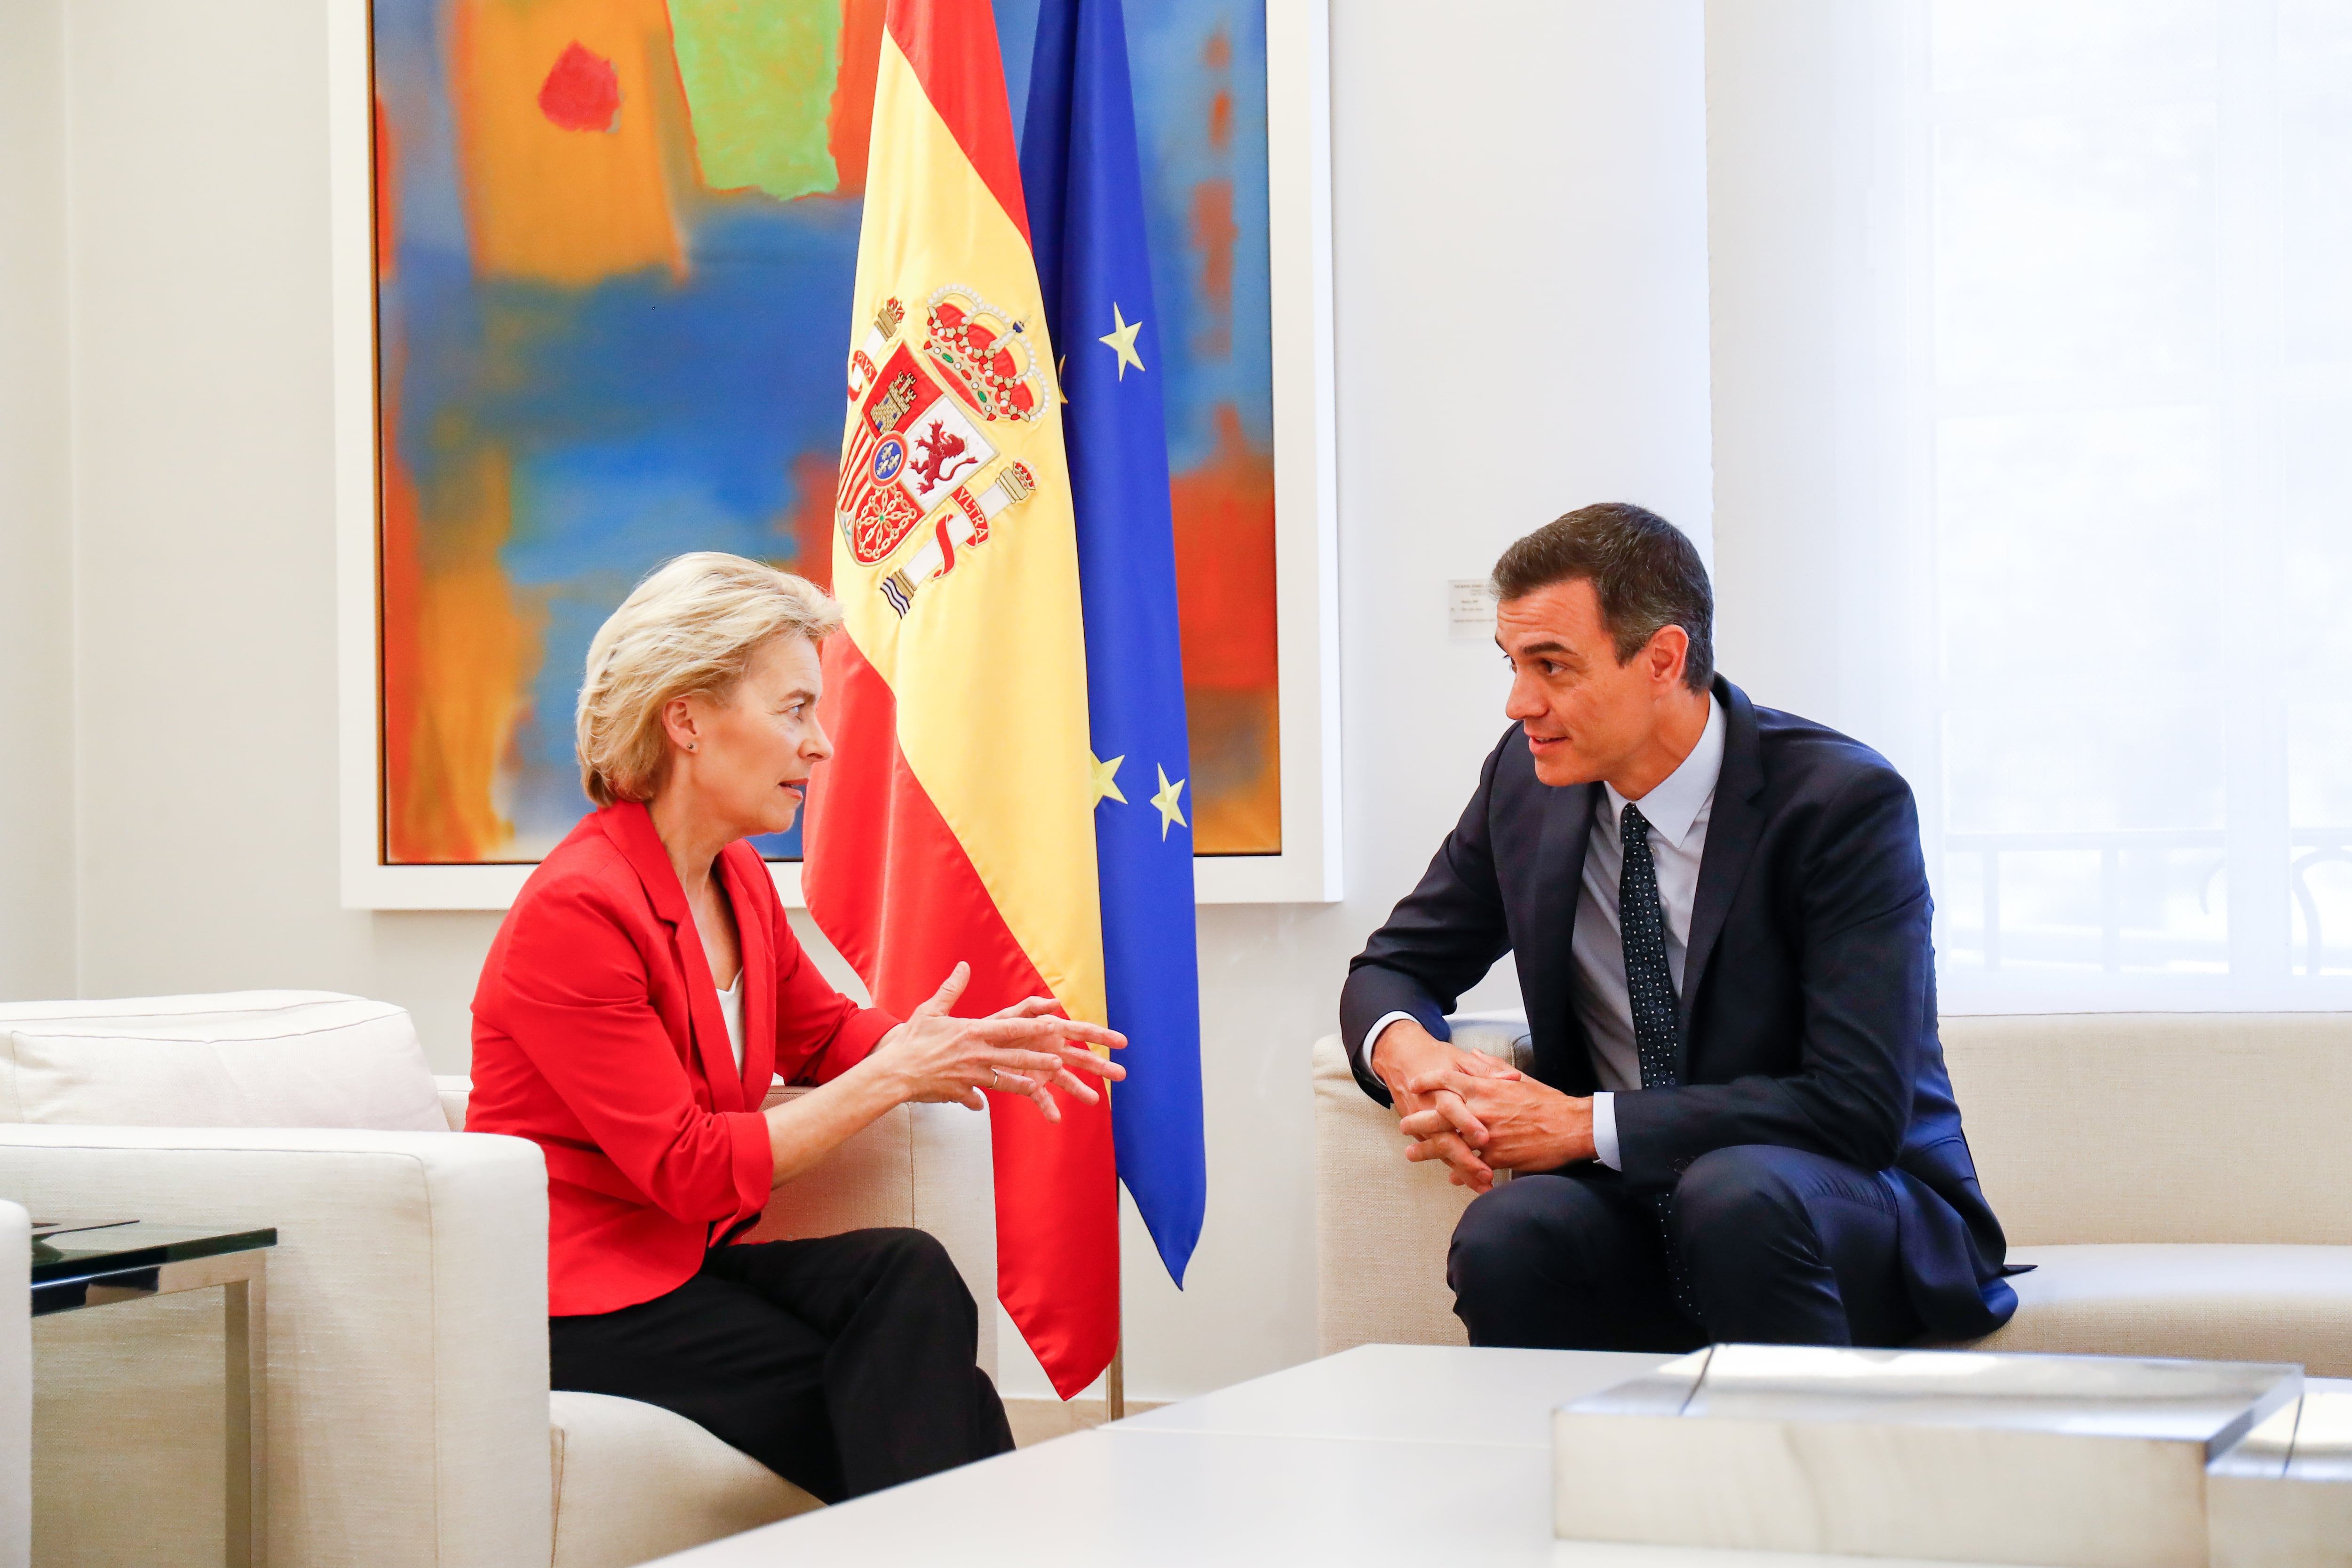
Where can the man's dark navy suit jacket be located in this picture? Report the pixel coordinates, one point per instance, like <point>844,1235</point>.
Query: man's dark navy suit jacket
<point>1809,986</point>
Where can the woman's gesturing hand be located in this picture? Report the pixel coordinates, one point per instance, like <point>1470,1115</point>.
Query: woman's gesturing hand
<point>1020,1050</point>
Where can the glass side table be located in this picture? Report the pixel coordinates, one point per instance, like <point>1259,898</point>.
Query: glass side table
<point>98,1265</point>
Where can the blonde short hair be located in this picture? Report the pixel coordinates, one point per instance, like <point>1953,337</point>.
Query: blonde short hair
<point>690,628</point>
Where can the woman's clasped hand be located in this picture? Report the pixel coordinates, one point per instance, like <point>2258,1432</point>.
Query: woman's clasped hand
<point>1022,1049</point>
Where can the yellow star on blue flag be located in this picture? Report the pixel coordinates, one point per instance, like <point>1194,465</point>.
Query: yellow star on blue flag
<point>1120,339</point>
<point>1170,815</point>
<point>1106,779</point>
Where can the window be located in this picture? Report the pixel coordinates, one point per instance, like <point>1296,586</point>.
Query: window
<point>2091,428</point>
<point>2140,388</point>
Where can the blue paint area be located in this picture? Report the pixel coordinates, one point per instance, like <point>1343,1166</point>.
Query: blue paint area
<point>1174,86</point>
<point>546,798</point>
<point>1016,41</point>
<point>598,509</point>
<point>410,40</point>
<point>1086,215</point>
<point>778,845</point>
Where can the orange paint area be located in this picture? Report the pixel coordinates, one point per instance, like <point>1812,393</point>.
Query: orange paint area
<point>559,110</point>
<point>458,653</point>
<point>1225,611</point>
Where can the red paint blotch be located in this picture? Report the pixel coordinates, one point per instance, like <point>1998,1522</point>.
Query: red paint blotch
<point>387,194</point>
<point>849,120</point>
<point>582,92</point>
<point>1214,233</point>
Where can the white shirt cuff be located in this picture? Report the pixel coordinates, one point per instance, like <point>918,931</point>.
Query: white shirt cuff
<point>1604,1130</point>
<point>1372,1037</point>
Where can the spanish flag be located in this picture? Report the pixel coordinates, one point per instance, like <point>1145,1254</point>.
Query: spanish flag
<point>955,821</point>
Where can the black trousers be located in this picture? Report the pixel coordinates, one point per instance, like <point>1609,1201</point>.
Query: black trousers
<point>844,1364</point>
<point>1782,1247</point>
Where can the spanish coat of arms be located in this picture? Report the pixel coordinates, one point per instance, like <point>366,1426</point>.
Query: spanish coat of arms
<point>919,453</point>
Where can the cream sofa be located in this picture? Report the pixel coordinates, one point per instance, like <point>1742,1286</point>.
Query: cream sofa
<point>410,1420</point>
<point>2181,1182</point>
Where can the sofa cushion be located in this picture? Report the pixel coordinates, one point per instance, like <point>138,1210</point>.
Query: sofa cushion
<point>2282,1303</point>
<point>241,1059</point>
<point>634,1482</point>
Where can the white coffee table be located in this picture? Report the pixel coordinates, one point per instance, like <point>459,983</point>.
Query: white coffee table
<point>1406,1453</point>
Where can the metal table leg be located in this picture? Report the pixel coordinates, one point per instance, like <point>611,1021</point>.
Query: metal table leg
<point>242,1279</point>
<point>245,1317</point>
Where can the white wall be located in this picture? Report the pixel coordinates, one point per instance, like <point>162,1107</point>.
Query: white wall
<point>1522,328</point>
<point>37,716</point>
<point>1813,254</point>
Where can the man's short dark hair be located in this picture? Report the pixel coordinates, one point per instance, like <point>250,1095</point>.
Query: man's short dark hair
<point>1645,572</point>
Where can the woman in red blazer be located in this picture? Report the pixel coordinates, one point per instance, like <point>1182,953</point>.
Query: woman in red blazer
<point>639,999</point>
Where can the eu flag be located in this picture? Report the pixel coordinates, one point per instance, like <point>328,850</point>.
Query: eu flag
<point>1079,175</point>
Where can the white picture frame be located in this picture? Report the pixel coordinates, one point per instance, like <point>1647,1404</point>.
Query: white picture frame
<point>1299,121</point>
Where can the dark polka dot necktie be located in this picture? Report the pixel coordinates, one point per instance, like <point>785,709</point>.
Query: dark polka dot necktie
<point>1649,987</point>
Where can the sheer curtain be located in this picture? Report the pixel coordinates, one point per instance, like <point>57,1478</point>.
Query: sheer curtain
<point>2034,413</point>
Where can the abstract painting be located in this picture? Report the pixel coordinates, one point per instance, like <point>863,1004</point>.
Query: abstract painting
<point>615,245</point>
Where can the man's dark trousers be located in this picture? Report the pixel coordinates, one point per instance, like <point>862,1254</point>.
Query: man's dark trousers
<point>1781,1245</point>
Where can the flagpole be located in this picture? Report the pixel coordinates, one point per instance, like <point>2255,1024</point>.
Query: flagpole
<point>1115,1382</point>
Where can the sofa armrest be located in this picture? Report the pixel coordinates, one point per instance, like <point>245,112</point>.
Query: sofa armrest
<point>456,1089</point>
<point>925,1166</point>
<point>406,1345</point>
<point>1381,1225</point>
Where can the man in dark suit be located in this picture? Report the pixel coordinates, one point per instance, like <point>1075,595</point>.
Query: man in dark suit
<point>1738,1126</point>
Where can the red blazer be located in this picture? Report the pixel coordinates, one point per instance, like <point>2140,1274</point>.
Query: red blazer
<point>597,1035</point>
